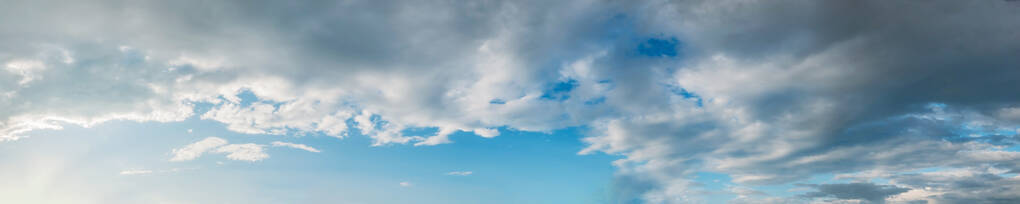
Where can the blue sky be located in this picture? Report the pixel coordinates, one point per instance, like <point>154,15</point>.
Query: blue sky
<point>517,167</point>
<point>514,101</point>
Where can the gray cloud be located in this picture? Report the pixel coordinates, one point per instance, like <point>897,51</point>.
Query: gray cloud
<point>794,89</point>
<point>860,191</point>
<point>776,91</point>
<point>963,186</point>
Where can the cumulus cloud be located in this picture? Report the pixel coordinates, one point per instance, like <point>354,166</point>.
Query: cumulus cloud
<point>769,92</point>
<point>295,146</point>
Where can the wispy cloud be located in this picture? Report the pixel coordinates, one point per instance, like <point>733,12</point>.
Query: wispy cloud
<point>195,150</point>
<point>243,152</point>
<point>295,146</point>
<point>459,173</point>
<point>135,172</point>
<point>147,171</point>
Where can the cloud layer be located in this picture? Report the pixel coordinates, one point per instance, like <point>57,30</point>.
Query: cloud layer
<point>768,92</point>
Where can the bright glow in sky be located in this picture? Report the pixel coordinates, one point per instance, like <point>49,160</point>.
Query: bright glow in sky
<point>518,101</point>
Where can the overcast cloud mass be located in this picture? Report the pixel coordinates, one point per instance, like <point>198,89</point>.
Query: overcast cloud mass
<point>903,101</point>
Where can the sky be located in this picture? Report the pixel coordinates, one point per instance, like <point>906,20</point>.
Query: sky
<point>516,101</point>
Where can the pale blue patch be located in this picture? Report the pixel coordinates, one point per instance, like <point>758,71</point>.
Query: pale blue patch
<point>247,98</point>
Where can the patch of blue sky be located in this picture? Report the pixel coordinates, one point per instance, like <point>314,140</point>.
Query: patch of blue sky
<point>202,107</point>
<point>515,167</point>
<point>247,97</point>
<point>1007,131</point>
<point>680,91</point>
<point>497,101</point>
<point>560,90</point>
<point>415,131</point>
<point>622,27</point>
<point>926,170</point>
<point>659,47</point>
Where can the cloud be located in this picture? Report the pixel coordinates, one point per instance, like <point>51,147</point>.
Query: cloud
<point>970,185</point>
<point>135,172</point>
<point>785,98</point>
<point>459,173</point>
<point>406,184</point>
<point>195,150</point>
<point>855,191</point>
<point>26,69</point>
<point>295,146</point>
<point>243,152</point>
<point>146,171</point>
<point>768,92</point>
<point>376,71</point>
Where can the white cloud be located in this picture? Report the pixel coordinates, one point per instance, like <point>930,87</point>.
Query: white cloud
<point>405,184</point>
<point>27,69</point>
<point>244,152</point>
<point>195,150</point>
<point>441,137</point>
<point>295,146</point>
<point>135,172</point>
<point>459,173</point>
<point>146,171</point>
<point>487,132</point>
